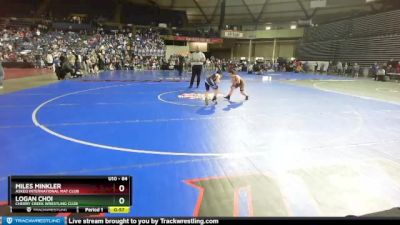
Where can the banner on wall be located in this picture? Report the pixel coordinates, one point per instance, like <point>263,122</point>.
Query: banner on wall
<point>317,4</point>
<point>202,46</point>
<point>232,34</point>
<point>173,49</point>
<point>199,39</point>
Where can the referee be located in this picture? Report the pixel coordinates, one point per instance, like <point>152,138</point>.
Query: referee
<point>197,60</point>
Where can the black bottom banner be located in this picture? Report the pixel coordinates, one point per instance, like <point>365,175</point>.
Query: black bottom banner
<point>36,220</point>
<point>206,221</point>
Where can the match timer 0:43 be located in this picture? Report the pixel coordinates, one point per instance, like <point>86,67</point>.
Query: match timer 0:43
<point>89,194</point>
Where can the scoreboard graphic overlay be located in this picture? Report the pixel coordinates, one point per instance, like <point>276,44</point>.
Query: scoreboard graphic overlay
<point>75,194</point>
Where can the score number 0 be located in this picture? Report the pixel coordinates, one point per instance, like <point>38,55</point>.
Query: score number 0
<point>121,188</point>
<point>121,200</point>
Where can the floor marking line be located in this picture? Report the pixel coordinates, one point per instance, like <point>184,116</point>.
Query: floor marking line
<point>243,202</point>
<point>129,121</point>
<point>15,126</point>
<point>170,120</point>
<point>386,90</point>
<point>77,104</point>
<point>15,106</point>
<point>115,148</point>
<point>336,80</point>
<point>29,94</point>
<point>352,145</point>
<point>133,166</point>
<point>200,197</point>
<point>175,103</point>
<point>151,152</point>
<point>148,121</point>
<point>316,86</point>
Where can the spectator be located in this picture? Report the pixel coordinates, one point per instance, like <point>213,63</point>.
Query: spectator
<point>398,67</point>
<point>392,62</point>
<point>356,69</point>
<point>299,67</point>
<point>181,61</point>
<point>111,51</point>
<point>316,67</point>
<point>345,68</point>
<point>389,69</point>
<point>1,74</point>
<point>339,68</point>
<point>49,60</point>
<point>380,74</point>
<point>374,69</point>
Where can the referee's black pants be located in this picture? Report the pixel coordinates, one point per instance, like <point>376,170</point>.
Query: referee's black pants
<point>196,71</point>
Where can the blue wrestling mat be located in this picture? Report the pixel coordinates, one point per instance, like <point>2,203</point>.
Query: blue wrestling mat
<point>274,155</point>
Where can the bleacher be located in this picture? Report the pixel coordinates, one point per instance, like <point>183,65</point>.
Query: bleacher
<point>93,9</point>
<point>365,51</point>
<point>145,15</point>
<point>364,40</point>
<point>368,50</point>
<point>336,30</point>
<point>71,26</point>
<point>3,23</point>
<point>18,8</point>
<point>379,24</point>
<point>316,51</point>
<point>16,23</point>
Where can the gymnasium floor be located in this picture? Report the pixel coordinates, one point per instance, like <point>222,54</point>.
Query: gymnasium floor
<point>303,145</point>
